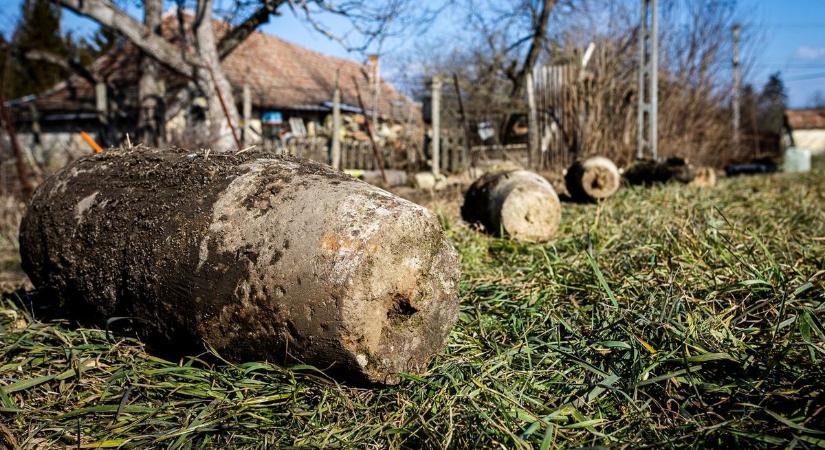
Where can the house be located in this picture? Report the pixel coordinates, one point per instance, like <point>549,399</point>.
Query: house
<point>290,89</point>
<point>805,128</point>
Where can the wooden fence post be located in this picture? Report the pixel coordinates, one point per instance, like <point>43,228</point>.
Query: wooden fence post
<point>464,124</point>
<point>101,103</point>
<point>379,159</point>
<point>436,123</point>
<point>336,124</point>
<point>533,126</point>
<point>246,137</point>
<point>36,144</point>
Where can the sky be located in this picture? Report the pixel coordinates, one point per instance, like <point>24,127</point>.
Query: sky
<point>792,41</point>
<point>789,38</point>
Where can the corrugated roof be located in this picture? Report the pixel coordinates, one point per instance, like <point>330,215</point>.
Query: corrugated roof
<point>806,119</point>
<point>281,75</point>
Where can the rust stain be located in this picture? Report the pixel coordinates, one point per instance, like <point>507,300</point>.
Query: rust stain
<point>334,242</point>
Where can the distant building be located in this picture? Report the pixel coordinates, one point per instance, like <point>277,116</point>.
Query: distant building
<point>291,91</point>
<point>805,128</point>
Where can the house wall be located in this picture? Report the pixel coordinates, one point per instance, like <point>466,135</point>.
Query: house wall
<point>813,140</point>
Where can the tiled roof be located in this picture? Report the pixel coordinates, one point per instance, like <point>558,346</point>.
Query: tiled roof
<point>281,75</point>
<point>806,119</point>
<point>284,75</point>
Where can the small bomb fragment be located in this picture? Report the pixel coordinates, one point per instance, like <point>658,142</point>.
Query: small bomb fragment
<point>520,204</point>
<point>594,179</point>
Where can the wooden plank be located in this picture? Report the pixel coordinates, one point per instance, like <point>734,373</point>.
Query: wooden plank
<point>436,124</point>
<point>246,136</point>
<point>532,127</point>
<point>464,124</point>
<point>336,124</point>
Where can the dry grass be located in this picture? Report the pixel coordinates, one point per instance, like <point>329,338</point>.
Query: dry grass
<point>11,211</point>
<point>662,318</point>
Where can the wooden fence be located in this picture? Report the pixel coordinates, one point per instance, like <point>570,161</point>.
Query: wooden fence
<point>557,113</point>
<point>411,157</point>
<point>354,154</point>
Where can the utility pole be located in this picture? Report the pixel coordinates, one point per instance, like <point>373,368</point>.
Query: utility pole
<point>648,80</point>
<point>737,81</point>
<point>436,122</point>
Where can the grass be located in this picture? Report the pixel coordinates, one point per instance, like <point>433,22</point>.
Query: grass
<point>663,318</point>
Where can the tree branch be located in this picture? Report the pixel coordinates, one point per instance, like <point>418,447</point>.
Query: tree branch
<point>67,64</point>
<point>236,35</point>
<point>539,35</point>
<point>150,43</point>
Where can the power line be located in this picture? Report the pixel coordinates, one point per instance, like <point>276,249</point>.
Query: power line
<point>795,25</point>
<point>789,67</point>
<point>811,76</point>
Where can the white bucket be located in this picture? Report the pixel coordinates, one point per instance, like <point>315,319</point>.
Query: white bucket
<point>797,160</point>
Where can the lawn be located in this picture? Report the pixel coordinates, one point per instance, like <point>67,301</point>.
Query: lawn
<point>664,317</point>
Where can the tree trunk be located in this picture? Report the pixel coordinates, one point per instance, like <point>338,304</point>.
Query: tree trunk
<point>537,42</point>
<point>222,112</point>
<point>109,15</point>
<point>261,258</point>
<point>26,184</point>
<point>150,98</point>
<point>520,78</point>
<point>594,179</point>
<point>518,204</point>
<point>204,67</point>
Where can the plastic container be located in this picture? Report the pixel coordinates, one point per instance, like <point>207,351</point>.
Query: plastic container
<point>797,160</point>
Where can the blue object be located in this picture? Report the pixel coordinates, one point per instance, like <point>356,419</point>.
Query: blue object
<point>272,118</point>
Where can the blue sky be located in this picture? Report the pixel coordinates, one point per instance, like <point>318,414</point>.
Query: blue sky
<point>792,41</point>
<point>790,37</point>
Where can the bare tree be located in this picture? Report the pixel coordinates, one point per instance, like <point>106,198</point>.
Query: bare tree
<point>540,17</point>
<point>694,78</point>
<point>199,62</point>
<point>192,65</point>
<point>150,98</point>
<point>508,39</point>
<point>70,65</point>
